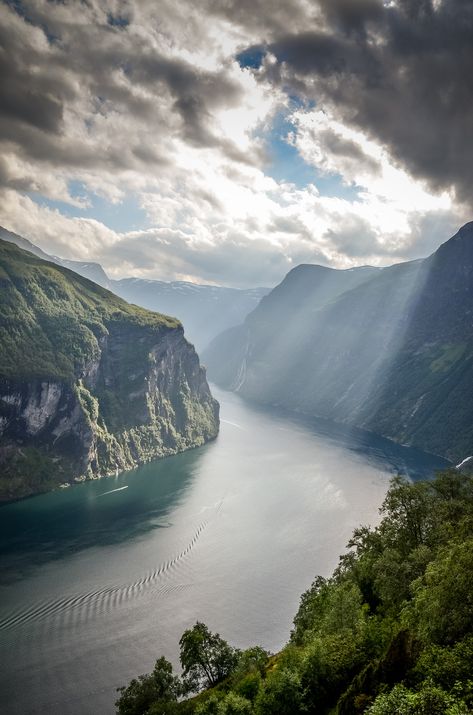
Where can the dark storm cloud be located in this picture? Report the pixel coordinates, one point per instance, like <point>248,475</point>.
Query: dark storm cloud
<point>63,68</point>
<point>28,96</point>
<point>264,17</point>
<point>400,72</point>
<point>340,146</point>
<point>351,16</point>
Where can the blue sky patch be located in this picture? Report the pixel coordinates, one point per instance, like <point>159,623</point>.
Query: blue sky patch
<point>119,21</point>
<point>252,58</point>
<point>286,164</point>
<point>122,217</point>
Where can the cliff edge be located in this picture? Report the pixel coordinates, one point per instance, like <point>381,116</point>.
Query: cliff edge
<point>88,383</point>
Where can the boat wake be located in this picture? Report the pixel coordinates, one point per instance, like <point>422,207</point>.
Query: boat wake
<point>80,607</point>
<point>119,489</point>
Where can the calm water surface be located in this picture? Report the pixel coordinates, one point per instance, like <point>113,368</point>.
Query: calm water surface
<point>98,580</point>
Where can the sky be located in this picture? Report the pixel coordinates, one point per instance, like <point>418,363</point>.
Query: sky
<point>226,141</point>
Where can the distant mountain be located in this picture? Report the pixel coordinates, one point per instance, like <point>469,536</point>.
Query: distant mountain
<point>277,328</point>
<point>204,310</point>
<point>88,383</point>
<point>88,269</point>
<point>93,271</point>
<point>393,354</point>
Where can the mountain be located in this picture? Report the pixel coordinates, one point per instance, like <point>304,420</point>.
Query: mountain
<point>393,355</point>
<point>92,271</point>
<point>204,310</point>
<point>88,269</point>
<point>275,330</point>
<point>88,383</point>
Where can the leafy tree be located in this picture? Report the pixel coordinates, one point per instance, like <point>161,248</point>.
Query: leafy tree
<point>210,706</point>
<point>234,704</point>
<point>229,704</point>
<point>159,686</point>
<point>281,694</point>
<point>206,658</point>
<point>443,603</point>
<point>252,660</point>
<point>409,517</point>
<point>248,686</point>
<point>431,700</point>
<point>311,608</point>
<point>447,665</point>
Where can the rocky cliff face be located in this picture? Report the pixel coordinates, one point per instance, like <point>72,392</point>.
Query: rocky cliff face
<point>133,391</point>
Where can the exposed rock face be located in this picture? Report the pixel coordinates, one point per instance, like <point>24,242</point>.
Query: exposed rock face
<point>137,393</point>
<point>53,432</point>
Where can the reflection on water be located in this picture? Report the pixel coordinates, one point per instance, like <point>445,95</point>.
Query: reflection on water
<point>69,520</point>
<point>99,579</point>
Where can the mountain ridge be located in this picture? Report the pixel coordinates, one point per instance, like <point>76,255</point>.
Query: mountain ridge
<point>204,309</point>
<point>89,385</point>
<point>393,354</point>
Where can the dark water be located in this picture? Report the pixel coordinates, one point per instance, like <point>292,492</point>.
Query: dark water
<point>99,579</point>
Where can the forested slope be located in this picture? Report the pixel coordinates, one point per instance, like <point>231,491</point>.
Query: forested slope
<point>390,633</point>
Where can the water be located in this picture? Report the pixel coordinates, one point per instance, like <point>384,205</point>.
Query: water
<point>99,579</point>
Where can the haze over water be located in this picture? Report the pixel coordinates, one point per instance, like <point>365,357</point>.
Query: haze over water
<point>99,580</point>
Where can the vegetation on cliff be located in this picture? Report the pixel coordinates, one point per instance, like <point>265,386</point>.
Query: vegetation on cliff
<point>52,320</point>
<point>88,383</point>
<point>390,633</point>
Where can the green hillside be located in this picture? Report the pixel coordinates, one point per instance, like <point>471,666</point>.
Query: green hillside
<point>88,383</point>
<point>52,319</point>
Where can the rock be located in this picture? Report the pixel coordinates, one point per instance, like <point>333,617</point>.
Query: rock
<point>90,385</point>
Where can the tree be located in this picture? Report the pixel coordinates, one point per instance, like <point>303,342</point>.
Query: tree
<point>252,660</point>
<point>160,686</point>
<point>443,597</point>
<point>409,512</point>
<point>430,700</point>
<point>206,658</point>
<point>311,608</point>
<point>234,704</point>
<point>281,694</point>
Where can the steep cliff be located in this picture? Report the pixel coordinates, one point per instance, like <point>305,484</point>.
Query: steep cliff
<point>88,383</point>
<point>393,354</point>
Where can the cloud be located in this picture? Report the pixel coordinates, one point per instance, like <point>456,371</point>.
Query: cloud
<point>176,108</point>
<point>398,71</point>
<point>81,94</point>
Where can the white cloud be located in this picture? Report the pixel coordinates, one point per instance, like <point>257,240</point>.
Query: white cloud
<point>162,111</point>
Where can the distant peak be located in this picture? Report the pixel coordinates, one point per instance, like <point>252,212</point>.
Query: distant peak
<point>458,249</point>
<point>309,268</point>
<point>466,230</point>
<point>465,233</point>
